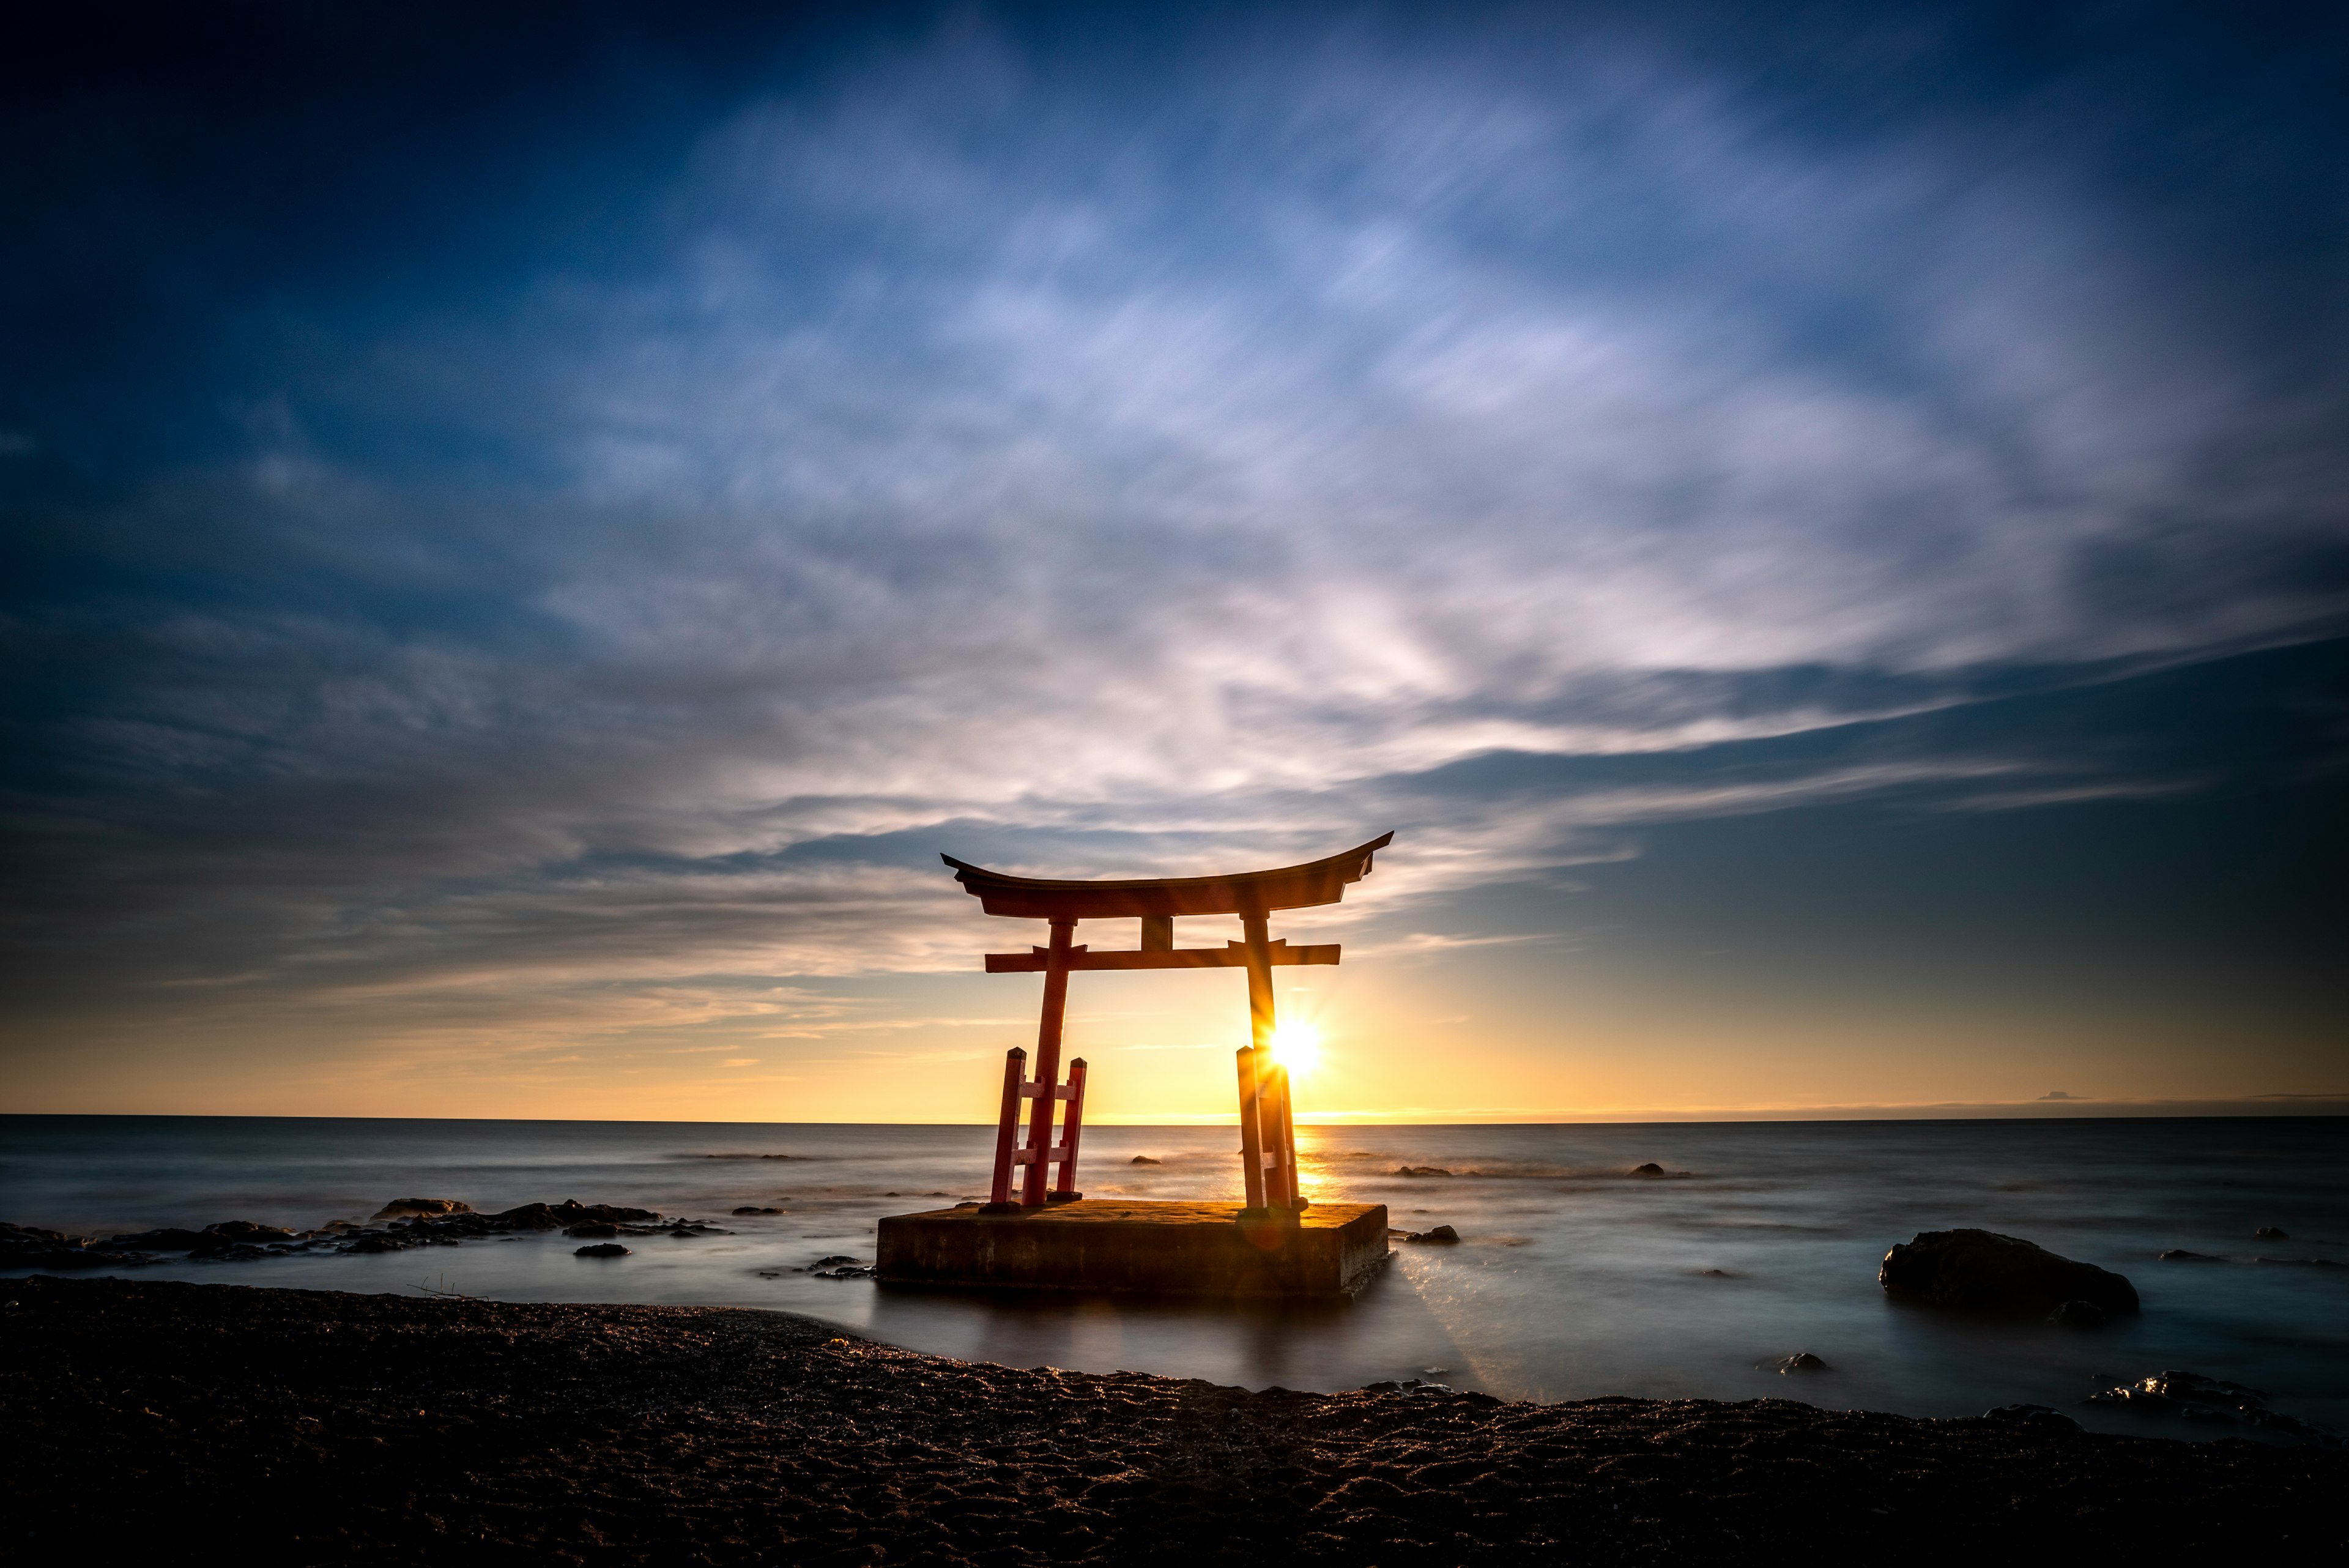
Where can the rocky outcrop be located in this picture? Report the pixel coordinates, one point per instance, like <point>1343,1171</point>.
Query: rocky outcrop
<point>29,1246</point>
<point>1145,1159</point>
<point>2270,1234</point>
<point>170,1238</point>
<point>754,1209</point>
<point>604,1250</point>
<point>2209,1402</point>
<point>420,1208</point>
<point>2080,1314</point>
<point>1420,1170</point>
<point>1982,1270</point>
<point>1802,1361</point>
<point>1443,1235</point>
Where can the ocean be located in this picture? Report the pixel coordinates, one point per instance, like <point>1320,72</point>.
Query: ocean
<point>1573,1277</point>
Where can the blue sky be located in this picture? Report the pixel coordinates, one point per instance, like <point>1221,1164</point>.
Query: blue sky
<point>1822,533</point>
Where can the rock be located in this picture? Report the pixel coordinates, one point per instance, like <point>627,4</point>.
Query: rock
<point>593,1230</point>
<point>754,1209</point>
<point>170,1239</point>
<point>2080,1314</point>
<point>32,1238</point>
<point>2037,1415</point>
<point>2210,1402</point>
<point>2181,1255</point>
<point>29,1246</point>
<point>604,1249</point>
<point>1984,1271</point>
<point>1651,1168</point>
<point>1443,1235</point>
<point>836,1257</point>
<point>1420,1170</point>
<point>1145,1159</point>
<point>556,1216</point>
<point>2270,1234</point>
<point>238,1240</point>
<point>429,1208</point>
<point>1718,1275</point>
<point>1802,1361</point>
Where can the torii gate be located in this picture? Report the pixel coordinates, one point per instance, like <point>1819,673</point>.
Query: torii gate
<point>1268,1137</point>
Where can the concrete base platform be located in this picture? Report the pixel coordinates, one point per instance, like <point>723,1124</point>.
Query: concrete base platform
<point>1163,1249</point>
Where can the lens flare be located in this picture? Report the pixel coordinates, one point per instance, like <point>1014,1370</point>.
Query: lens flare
<point>1298,1047</point>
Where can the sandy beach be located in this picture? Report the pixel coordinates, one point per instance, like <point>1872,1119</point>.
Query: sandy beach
<point>317,1426</point>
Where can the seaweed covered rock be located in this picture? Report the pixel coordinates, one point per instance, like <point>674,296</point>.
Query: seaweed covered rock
<point>1982,1270</point>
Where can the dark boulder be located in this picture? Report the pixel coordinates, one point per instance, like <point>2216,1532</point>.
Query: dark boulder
<point>2270,1234</point>
<point>1984,1271</point>
<point>754,1209</point>
<point>604,1250</point>
<point>2181,1255</point>
<point>2080,1314</point>
<point>427,1208</point>
<point>1443,1235</point>
<point>170,1239</point>
<point>1651,1168</point>
<point>1145,1159</point>
<point>1802,1361</point>
<point>1420,1170</point>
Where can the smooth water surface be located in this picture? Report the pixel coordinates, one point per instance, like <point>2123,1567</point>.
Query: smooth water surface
<point>1573,1278</point>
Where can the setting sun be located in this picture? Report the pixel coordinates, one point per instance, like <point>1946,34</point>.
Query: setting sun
<point>1298,1047</point>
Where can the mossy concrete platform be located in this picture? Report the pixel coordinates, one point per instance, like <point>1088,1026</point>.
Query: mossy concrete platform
<point>1163,1249</point>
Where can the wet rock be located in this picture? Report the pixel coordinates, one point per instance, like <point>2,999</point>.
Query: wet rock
<point>603,1249</point>
<point>754,1209</point>
<point>1420,1170</point>
<point>2080,1314</point>
<point>2208,1402</point>
<point>1145,1159</point>
<point>1982,1270</point>
<point>366,1244</point>
<point>1443,1235</point>
<point>170,1239</point>
<point>1802,1361</point>
<point>592,1232</point>
<point>429,1208</point>
<point>234,1240</point>
<point>2270,1234</point>
<point>1719,1274</point>
<point>2181,1255</point>
<point>556,1216</point>
<point>1651,1168</point>
<point>29,1246</point>
<point>839,1266</point>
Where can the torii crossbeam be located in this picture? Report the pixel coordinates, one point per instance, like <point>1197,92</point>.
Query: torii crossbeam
<point>1268,1137</point>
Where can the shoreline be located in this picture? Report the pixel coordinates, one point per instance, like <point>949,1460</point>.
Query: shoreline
<point>311,1425</point>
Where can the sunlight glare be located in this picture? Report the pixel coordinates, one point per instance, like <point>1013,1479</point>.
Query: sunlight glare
<point>1297,1045</point>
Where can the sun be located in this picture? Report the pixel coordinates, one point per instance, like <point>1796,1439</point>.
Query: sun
<point>1297,1045</point>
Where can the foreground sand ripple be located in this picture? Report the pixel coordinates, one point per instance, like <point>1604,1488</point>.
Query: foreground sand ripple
<point>300,1426</point>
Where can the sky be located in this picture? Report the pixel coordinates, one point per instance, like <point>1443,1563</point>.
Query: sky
<point>1820,528</point>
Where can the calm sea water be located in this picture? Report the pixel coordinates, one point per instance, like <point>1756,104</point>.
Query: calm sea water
<point>1573,1279</point>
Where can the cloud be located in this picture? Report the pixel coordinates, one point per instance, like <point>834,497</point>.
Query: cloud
<point>981,446</point>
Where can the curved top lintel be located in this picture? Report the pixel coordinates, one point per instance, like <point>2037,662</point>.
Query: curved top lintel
<point>1247,892</point>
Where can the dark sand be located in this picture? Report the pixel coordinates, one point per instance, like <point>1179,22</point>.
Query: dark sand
<point>277,1425</point>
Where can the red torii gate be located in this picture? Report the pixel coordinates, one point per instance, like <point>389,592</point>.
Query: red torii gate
<point>1268,1137</point>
